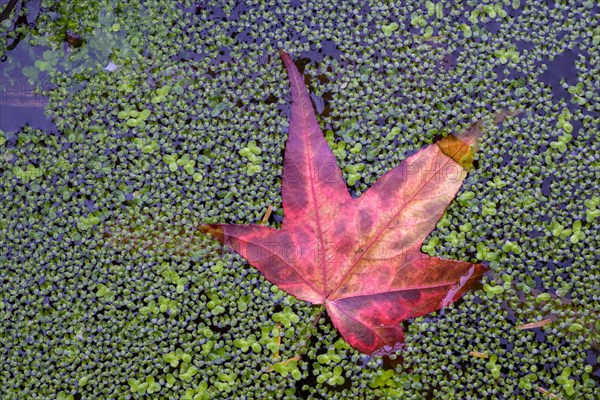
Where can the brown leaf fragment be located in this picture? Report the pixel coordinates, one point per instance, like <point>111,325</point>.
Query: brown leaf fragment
<point>267,215</point>
<point>533,325</point>
<point>478,354</point>
<point>549,394</point>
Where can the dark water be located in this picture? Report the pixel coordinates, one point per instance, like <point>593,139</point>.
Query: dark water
<point>21,101</point>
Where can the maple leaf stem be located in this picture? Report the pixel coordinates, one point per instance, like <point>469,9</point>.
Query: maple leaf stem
<point>303,344</point>
<point>314,323</point>
<point>317,317</point>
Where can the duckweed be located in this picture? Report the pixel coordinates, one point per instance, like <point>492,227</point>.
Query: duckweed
<point>106,271</point>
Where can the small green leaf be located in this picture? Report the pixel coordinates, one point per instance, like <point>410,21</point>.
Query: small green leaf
<point>171,359</point>
<point>83,381</point>
<point>389,29</point>
<point>575,327</point>
<point>543,297</point>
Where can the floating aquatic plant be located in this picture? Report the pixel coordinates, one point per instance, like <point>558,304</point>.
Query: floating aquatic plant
<point>393,95</point>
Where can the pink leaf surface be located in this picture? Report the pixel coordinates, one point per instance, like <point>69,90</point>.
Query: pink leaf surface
<point>360,257</point>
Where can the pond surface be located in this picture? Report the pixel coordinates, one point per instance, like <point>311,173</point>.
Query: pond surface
<point>125,126</point>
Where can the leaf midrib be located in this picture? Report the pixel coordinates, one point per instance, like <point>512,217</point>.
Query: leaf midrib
<point>308,152</point>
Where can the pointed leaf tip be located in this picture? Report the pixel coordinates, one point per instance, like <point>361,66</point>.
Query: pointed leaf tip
<point>461,151</point>
<point>287,60</point>
<point>462,147</point>
<point>215,230</point>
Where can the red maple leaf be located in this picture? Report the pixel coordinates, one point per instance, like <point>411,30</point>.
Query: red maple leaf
<point>360,257</point>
